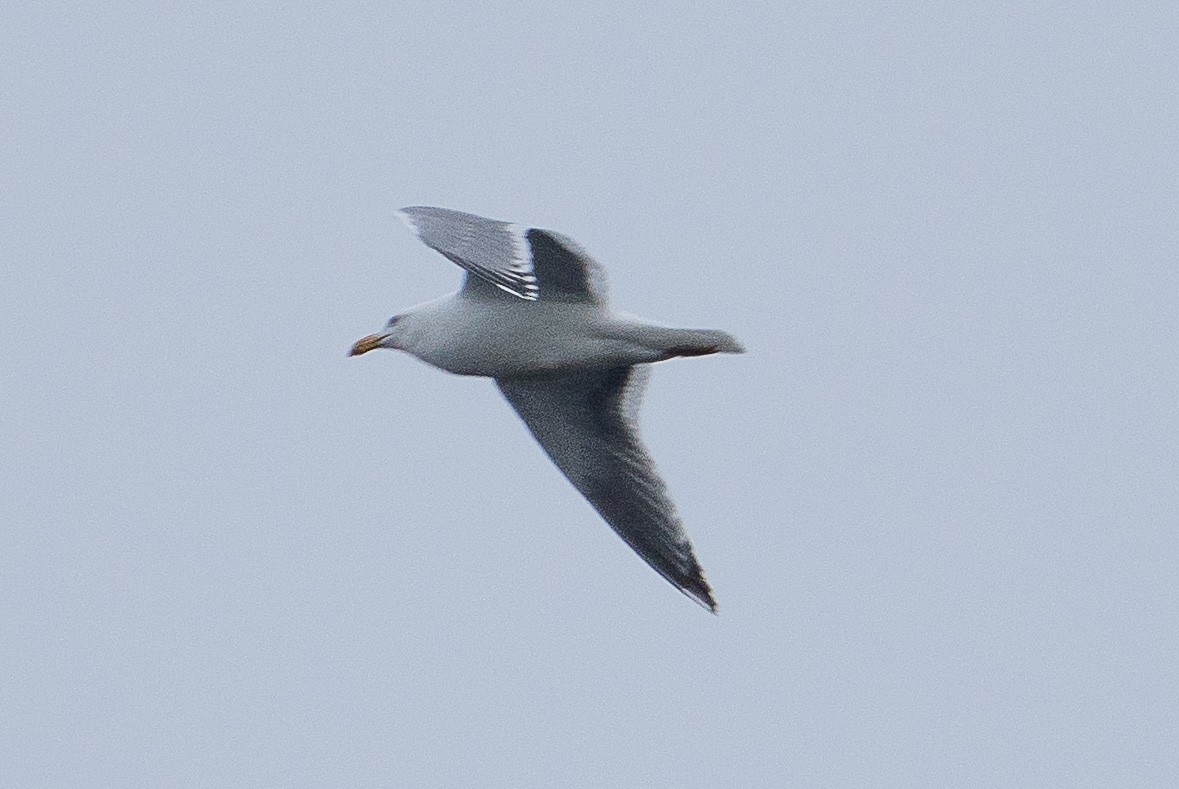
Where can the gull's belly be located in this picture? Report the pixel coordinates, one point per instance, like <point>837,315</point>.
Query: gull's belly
<point>521,340</point>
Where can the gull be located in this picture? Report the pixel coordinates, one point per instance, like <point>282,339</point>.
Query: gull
<point>532,315</point>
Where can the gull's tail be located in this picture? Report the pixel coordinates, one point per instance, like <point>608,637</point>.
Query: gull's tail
<point>696,342</point>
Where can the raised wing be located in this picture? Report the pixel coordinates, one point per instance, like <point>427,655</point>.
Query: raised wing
<point>585,422</point>
<point>526,262</point>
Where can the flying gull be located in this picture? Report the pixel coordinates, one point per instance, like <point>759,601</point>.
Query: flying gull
<point>532,314</point>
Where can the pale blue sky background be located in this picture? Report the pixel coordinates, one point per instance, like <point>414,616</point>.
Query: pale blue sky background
<point>937,499</point>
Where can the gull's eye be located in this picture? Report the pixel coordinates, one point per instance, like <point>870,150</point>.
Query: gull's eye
<point>393,320</point>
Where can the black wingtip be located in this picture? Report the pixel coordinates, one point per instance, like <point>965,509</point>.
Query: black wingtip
<point>698,589</point>
<point>706,602</point>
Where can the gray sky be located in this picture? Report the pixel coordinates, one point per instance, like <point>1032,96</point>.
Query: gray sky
<point>937,499</point>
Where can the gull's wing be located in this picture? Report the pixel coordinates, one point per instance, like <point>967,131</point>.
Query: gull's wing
<point>585,421</point>
<point>523,261</point>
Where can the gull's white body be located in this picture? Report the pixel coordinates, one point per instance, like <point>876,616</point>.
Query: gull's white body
<point>500,337</point>
<point>532,314</point>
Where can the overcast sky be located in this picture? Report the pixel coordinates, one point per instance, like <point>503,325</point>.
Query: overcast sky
<point>937,498</point>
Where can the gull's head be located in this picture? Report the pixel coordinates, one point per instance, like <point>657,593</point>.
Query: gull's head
<point>385,339</point>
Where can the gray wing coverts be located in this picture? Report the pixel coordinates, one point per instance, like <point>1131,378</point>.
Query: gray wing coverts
<point>584,421</point>
<point>526,262</point>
